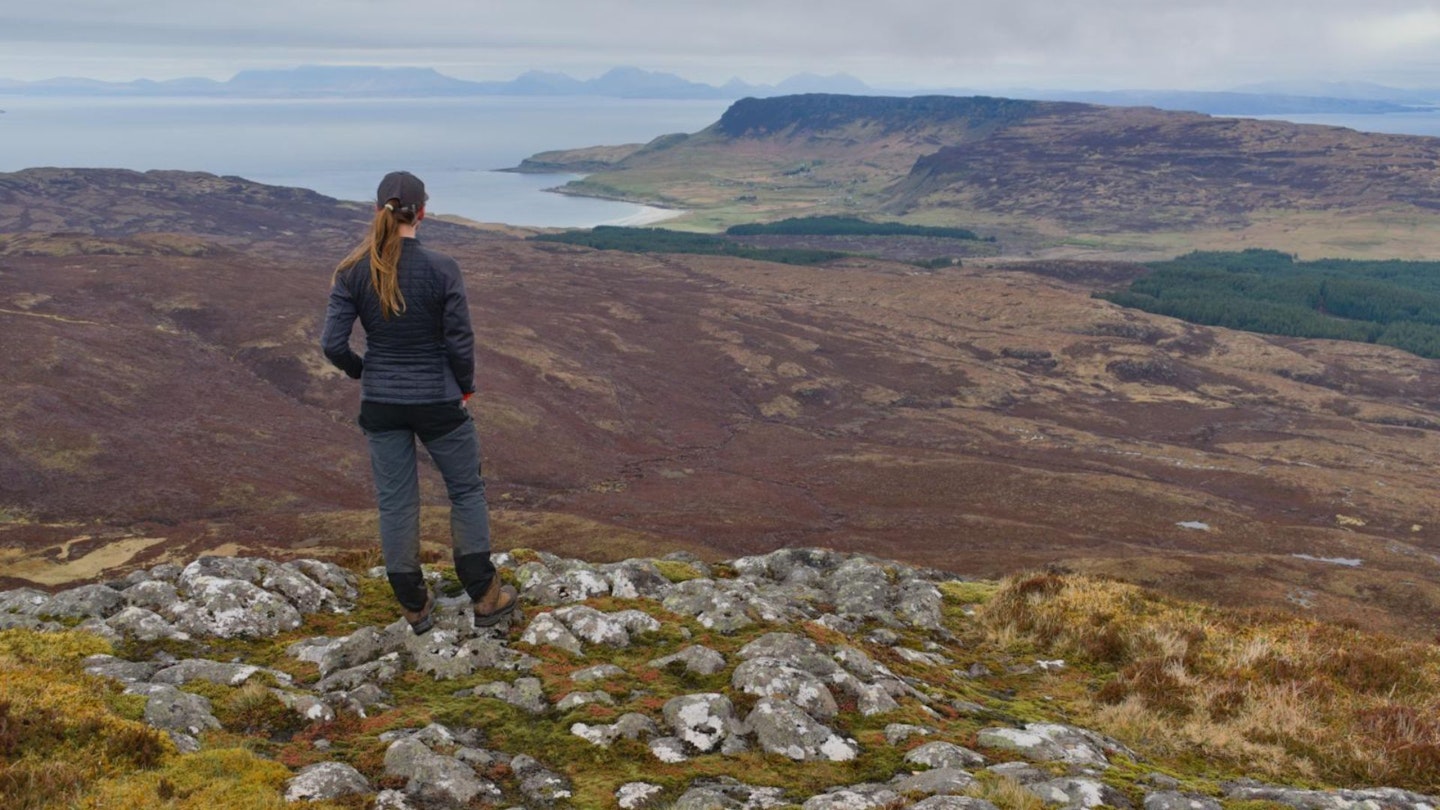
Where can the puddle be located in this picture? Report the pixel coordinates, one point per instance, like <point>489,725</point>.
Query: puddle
<point>1348,562</point>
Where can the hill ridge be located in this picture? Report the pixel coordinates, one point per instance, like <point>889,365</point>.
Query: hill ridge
<point>1039,173</point>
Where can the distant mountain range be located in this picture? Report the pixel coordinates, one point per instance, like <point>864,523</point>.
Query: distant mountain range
<point>359,81</point>
<point>630,82</point>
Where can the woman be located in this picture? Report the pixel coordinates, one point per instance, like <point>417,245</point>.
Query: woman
<point>417,374</point>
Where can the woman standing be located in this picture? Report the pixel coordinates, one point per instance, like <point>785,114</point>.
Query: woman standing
<point>417,374</point>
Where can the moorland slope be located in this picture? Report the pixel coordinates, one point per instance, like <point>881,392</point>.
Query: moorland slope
<point>165,395</point>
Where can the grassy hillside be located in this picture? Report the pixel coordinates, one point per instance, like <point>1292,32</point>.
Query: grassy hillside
<point>1043,176</point>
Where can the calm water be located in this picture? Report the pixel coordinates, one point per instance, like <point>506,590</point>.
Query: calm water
<point>342,147</point>
<point>1416,123</point>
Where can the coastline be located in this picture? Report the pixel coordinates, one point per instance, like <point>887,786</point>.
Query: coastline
<point>652,212</point>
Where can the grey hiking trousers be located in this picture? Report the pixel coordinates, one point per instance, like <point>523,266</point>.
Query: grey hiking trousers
<point>448,434</point>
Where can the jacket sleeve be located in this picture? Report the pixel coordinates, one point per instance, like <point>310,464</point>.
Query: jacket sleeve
<point>339,320</point>
<point>459,336</point>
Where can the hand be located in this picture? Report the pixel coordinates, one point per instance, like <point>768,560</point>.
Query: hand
<point>465,398</point>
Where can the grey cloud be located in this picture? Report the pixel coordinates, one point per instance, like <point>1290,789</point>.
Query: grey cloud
<point>1129,41</point>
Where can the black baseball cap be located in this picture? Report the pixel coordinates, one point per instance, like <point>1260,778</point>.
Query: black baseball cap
<point>402,186</point>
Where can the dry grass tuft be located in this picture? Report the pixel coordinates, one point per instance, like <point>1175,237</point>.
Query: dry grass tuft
<point>1263,694</point>
<point>60,729</point>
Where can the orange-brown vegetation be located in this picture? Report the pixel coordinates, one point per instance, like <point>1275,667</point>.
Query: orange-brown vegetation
<point>1252,691</point>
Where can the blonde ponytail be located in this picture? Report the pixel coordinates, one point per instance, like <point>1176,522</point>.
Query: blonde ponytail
<point>382,247</point>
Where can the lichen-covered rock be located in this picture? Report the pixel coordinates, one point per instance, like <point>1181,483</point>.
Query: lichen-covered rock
<point>19,621</point>
<point>1052,742</point>
<point>690,597</point>
<point>697,659</point>
<point>392,800</point>
<point>773,677</point>
<point>918,603</point>
<point>933,659</point>
<point>384,669</point>
<point>779,645</point>
<point>1174,800</point>
<point>934,781</point>
<point>546,630</point>
<point>701,721</point>
<point>630,725</point>
<point>897,733</point>
<point>201,669</point>
<point>172,710</point>
<point>434,778</point>
<point>1079,794</point>
<point>143,625</point>
<point>86,601</point>
<point>859,587</point>
<point>636,622</point>
<point>152,594</point>
<point>575,700</point>
<point>524,693</point>
<point>1022,772</point>
<point>231,607</point>
<point>854,797</point>
<point>714,608</point>
<point>781,727</point>
<point>326,780</point>
<point>537,783</point>
<point>441,655</point>
<point>166,572</point>
<point>599,672</point>
<point>24,601</point>
<point>331,654</point>
<point>952,803</point>
<point>108,666</point>
<point>638,579</point>
<point>638,795</point>
<point>97,626</point>
<point>669,750</point>
<point>307,595</point>
<point>727,792</point>
<point>332,577</point>
<point>307,706</point>
<point>594,627</point>
<point>242,568</point>
<point>944,755</point>
<point>572,586</point>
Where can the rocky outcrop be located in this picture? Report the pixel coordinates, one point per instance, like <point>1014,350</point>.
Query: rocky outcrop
<point>826,642</point>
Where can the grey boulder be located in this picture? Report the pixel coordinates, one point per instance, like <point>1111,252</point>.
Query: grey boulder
<point>326,780</point>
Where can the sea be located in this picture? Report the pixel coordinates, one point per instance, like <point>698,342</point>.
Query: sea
<point>341,147</point>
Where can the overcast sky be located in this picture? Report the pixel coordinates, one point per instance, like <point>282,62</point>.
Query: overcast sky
<point>1079,44</point>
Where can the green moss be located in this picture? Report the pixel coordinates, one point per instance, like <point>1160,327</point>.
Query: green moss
<point>59,728</point>
<point>677,571</point>
<point>231,777</point>
<point>65,648</point>
<point>968,593</point>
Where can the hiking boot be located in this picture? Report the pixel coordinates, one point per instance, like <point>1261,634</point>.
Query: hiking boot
<point>421,620</point>
<point>497,603</point>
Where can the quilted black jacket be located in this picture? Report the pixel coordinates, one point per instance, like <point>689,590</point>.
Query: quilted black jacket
<point>425,354</point>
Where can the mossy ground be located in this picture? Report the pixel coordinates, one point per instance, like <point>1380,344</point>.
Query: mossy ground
<point>1203,694</point>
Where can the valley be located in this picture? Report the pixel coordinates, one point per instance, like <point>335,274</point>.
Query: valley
<point>165,385</point>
